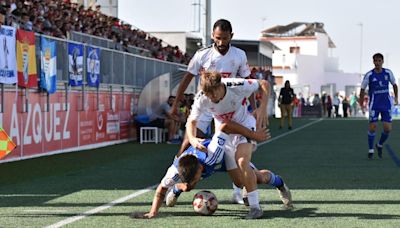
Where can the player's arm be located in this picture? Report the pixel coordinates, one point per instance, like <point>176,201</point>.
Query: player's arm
<point>191,133</point>
<point>157,202</point>
<point>364,85</point>
<point>395,90</point>
<point>261,112</point>
<point>361,97</point>
<point>187,78</point>
<point>231,127</point>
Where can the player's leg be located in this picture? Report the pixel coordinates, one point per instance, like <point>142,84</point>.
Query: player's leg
<point>267,177</point>
<point>373,117</point>
<point>237,185</point>
<point>243,157</point>
<point>387,127</point>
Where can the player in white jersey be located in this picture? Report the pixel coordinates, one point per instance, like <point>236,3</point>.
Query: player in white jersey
<point>220,57</point>
<point>225,99</point>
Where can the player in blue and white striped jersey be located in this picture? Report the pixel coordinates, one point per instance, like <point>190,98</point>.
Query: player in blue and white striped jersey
<point>380,102</point>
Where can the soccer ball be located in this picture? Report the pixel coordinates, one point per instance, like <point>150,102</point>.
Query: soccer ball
<point>205,203</point>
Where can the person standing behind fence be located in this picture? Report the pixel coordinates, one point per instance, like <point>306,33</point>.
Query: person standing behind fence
<point>353,104</point>
<point>380,102</point>
<point>336,103</point>
<point>323,101</point>
<point>345,107</point>
<point>285,100</point>
<point>329,105</point>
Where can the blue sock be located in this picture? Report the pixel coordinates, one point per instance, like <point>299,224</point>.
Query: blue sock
<point>384,136</point>
<point>275,180</point>
<point>176,191</point>
<point>371,138</point>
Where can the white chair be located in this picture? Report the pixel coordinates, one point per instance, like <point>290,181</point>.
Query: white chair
<point>149,134</point>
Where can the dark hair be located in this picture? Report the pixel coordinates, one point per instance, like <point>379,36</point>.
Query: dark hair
<point>224,25</point>
<point>187,168</point>
<point>377,55</point>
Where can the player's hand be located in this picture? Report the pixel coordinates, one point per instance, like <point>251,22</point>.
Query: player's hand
<point>262,134</point>
<point>141,215</point>
<point>196,143</point>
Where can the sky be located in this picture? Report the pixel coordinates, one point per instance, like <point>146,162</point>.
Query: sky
<point>380,23</point>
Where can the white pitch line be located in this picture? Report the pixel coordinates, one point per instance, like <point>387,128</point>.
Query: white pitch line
<point>290,132</point>
<point>140,192</point>
<point>101,208</point>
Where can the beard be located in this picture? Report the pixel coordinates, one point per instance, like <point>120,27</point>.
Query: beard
<point>222,48</point>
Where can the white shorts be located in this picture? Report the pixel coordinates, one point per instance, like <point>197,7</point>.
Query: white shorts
<point>204,122</point>
<point>234,141</point>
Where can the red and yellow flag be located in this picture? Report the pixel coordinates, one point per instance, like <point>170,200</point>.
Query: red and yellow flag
<point>26,59</point>
<point>6,144</point>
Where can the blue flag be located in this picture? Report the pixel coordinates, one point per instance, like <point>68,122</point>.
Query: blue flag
<point>48,78</point>
<point>93,66</point>
<point>75,57</point>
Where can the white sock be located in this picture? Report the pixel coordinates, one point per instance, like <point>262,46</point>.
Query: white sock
<point>236,189</point>
<point>254,202</point>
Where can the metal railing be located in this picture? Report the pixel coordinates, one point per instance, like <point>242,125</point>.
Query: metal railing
<point>107,43</point>
<point>116,67</point>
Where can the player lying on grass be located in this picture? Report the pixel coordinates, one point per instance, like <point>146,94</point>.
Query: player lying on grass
<point>193,165</point>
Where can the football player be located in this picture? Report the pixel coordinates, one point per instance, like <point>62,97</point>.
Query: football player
<point>193,165</point>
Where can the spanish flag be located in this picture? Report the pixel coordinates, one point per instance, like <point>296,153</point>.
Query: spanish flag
<point>6,144</point>
<point>26,59</point>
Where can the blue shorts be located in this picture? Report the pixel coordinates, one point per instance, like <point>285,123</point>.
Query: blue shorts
<point>386,116</point>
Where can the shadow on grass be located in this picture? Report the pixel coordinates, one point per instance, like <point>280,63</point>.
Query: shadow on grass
<point>238,214</point>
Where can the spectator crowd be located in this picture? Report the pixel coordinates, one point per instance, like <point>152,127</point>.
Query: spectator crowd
<point>60,17</point>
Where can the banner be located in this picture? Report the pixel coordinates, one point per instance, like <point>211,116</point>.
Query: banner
<point>26,59</point>
<point>8,66</point>
<point>93,67</point>
<point>48,78</point>
<point>75,57</point>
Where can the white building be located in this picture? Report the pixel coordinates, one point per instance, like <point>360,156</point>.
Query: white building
<point>305,59</point>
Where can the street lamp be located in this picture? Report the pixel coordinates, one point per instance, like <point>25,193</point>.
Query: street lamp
<point>361,47</point>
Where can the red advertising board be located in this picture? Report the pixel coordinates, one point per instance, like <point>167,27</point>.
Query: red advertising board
<point>40,128</point>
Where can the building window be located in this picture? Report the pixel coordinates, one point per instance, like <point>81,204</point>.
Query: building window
<point>295,50</point>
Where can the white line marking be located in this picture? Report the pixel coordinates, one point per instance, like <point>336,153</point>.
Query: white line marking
<point>290,132</point>
<point>101,208</point>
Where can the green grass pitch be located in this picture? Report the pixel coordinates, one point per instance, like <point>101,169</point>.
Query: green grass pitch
<point>324,162</point>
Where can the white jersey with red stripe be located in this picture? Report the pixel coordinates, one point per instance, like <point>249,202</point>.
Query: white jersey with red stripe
<point>233,104</point>
<point>231,65</point>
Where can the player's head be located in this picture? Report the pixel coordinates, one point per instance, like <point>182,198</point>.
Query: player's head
<point>222,35</point>
<point>212,86</point>
<point>189,169</point>
<point>378,60</point>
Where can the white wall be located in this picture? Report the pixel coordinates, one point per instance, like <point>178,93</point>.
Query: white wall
<point>172,38</point>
